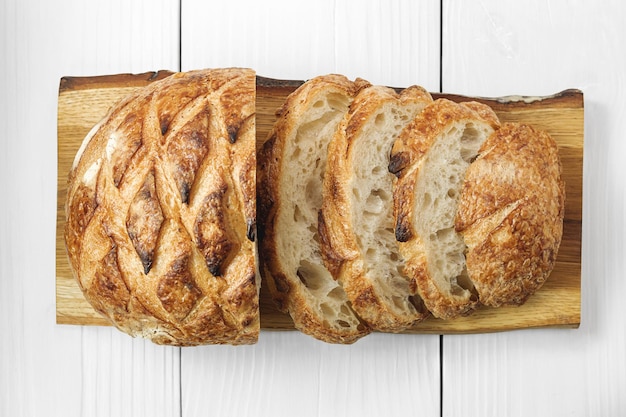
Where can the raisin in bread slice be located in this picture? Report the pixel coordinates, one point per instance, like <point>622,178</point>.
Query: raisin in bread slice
<point>161,211</point>
<point>356,222</point>
<point>291,170</point>
<point>430,159</point>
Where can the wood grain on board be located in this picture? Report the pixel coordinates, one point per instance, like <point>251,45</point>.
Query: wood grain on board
<point>83,101</point>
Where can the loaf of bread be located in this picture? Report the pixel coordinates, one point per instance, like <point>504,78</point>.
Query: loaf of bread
<point>356,223</point>
<point>479,208</point>
<point>473,218</point>
<point>161,211</point>
<point>291,172</point>
<point>376,209</point>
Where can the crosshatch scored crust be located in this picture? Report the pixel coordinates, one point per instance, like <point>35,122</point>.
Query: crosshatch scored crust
<point>161,211</point>
<point>83,101</point>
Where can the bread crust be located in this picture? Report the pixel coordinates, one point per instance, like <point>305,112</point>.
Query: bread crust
<point>408,157</point>
<point>161,211</point>
<point>278,217</point>
<point>380,297</point>
<point>511,214</point>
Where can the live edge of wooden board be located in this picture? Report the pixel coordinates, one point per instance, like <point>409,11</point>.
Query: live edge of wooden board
<point>84,100</point>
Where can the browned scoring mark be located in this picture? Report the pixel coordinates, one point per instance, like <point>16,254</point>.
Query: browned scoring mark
<point>186,151</point>
<point>177,290</point>
<point>403,212</point>
<point>250,230</point>
<point>332,259</point>
<point>128,141</point>
<point>108,291</point>
<point>234,116</point>
<point>164,123</point>
<point>210,232</point>
<point>80,212</point>
<point>208,323</point>
<point>282,286</point>
<point>266,161</point>
<point>144,222</point>
<point>518,252</point>
<point>233,131</point>
<point>247,181</point>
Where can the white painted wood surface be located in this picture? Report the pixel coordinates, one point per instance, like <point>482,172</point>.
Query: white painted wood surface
<point>47,369</point>
<point>490,48</point>
<point>493,48</point>
<point>393,42</point>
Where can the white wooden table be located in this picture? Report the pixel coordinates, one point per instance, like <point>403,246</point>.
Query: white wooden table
<point>487,48</point>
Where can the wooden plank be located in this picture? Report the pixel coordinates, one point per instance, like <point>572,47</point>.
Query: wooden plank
<point>82,102</point>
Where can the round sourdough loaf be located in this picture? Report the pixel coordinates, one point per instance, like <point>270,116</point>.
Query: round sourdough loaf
<point>161,211</point>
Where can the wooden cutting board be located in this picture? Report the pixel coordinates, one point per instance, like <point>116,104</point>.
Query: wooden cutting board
<point>83,101</point>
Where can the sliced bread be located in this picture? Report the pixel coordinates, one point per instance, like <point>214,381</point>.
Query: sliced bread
<point>430,159</point>
<point>291,169</point>
<point>356,222</point>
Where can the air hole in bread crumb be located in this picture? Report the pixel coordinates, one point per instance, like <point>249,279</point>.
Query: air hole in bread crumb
<point>464,281</point>
<point>310,275</point>
<point>343,323</point>
<point>457,290</point>
<point>399,302</point>
<point>338,101</point>
<point>426,200</point>
<point>470,142</point>
<point>374,203</point>
<point>337,294</point>
<point>345,310</point>
<point>297,214</point>
<point>380,119</point>
<point>327,311</point>
<point>418,303</point>
<point>318,104</point>
<point>313,230</point>
<point>445,234</point>
<point>312,193</point>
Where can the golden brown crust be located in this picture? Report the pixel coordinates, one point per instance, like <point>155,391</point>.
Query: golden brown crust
<point>161,211</point>
<point>511,214</point>
<point>407,159</point>
<point>369,292</point>
<point>287,288</point>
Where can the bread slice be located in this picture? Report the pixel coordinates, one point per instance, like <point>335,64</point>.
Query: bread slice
<point>291,170</point>
<point>356,222</point>
<point>511,214</point>
<point>161,211</point>
<point>430,159</point>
